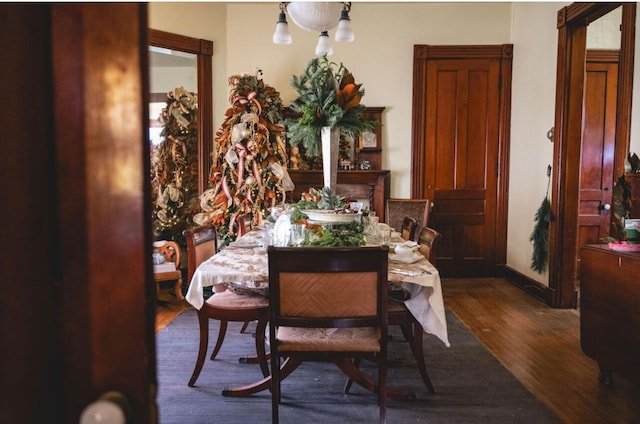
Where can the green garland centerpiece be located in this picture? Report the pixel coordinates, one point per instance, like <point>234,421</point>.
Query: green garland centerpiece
<point>334,234</point>
<point>327,97</point>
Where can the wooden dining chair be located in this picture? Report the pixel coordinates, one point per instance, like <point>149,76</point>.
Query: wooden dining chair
<point>401,316</point>
<point>328,304</point>
<point>428,242</point>
<point>225,306</point>
<point>170,270</point>
<point>409,229</point>
<point>396,209</point>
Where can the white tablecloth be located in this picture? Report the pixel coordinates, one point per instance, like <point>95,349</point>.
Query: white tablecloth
<point>245,262</point>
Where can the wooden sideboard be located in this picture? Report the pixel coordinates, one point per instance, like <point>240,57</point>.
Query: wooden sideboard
<point>370,184</point>
<point>610,310</point>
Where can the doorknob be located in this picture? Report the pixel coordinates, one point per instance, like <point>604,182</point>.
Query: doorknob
<point>603,207</point>
<point>110,408</point>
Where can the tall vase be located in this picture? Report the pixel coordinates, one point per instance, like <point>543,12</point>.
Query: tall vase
<point>330,147</point>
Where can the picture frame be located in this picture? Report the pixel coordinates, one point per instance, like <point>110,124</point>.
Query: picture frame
<point>369,140</point>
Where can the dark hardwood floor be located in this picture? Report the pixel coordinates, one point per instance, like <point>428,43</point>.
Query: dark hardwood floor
<point>529,339</point>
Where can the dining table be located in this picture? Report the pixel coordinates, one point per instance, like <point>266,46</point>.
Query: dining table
<point>243,266</point>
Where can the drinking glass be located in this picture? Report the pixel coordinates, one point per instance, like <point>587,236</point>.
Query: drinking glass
<point>371,229</point>
<point>297,234</point>
<point>385,237</point>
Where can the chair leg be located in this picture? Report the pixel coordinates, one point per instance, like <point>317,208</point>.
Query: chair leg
<point>244,326</point>
<point>178,289</point>
<point>416,347</point>
<point>203,321</point>
<point>275,387</point>
<point>349,383</point>
<point>221,334</point>
<point>260,342</point>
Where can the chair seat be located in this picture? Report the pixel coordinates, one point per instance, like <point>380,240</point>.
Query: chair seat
<point>230,300</point>
<point>297,339</point>
<point>167,276</point>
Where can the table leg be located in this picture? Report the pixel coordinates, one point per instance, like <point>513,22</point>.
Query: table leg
<point>287,368</point>
<point>345,364</point>
<point>353,372</point>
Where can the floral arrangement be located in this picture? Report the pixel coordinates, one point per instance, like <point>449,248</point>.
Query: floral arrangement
<point>327,96</point>
<point>249,171</point>
<point>343,234</point>
<point>174,165</point>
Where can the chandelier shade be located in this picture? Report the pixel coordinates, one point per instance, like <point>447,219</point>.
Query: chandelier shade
<point>316,17</point>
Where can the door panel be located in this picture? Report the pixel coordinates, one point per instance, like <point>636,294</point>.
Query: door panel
<point>597,152</point>
<point>462,127</point>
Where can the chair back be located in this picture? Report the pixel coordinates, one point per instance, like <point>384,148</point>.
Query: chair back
<point>409,228</point>
<point>418,209</point>
<point>316,287</point>
<point>244,224</point>
<point>170,250</point>
<point>328,303</point>
<point>202,243</point>
<point>428,241</point>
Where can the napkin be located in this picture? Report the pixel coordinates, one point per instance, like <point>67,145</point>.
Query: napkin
<point>408,259</point>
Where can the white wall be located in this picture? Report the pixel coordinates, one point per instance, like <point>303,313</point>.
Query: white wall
<point>535,42</point>
<point>382,58</point>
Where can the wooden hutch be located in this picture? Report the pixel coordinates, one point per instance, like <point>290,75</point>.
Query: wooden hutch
<point>372,184</point>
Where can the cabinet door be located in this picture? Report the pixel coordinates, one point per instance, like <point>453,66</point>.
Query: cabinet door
<point>610,309</point>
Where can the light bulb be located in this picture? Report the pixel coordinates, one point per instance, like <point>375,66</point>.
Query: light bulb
<point>281,35</point>
<point>323,47</point>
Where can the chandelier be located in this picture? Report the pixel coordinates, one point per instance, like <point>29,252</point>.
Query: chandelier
<point>317,17</point>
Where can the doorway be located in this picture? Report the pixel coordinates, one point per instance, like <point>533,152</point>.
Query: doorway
<point>572,42</point>
<point>461,114</point>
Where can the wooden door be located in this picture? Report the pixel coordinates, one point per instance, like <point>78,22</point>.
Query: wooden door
<point>461,106</point>
<point>77,305</point>
<point>598,146</point>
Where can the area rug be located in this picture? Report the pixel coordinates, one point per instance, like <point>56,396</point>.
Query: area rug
<point>472,386</point>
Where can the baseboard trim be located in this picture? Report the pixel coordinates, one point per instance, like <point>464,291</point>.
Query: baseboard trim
<point>534,288</point>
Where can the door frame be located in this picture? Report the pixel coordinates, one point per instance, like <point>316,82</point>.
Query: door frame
<point>572,34</point>
<point>78,312</point>
<point>504,52</point>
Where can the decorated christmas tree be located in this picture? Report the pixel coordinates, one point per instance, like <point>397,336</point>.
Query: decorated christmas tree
<point>174,164</point>
<point>249,172</point>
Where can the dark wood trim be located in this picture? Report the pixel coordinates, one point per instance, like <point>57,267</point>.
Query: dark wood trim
<point>502,183</point>
<point>583,13</point>
<point>603,55</point>
<point>532,287</point>
<point>157,97</point>
<point>572,32</point>
<point>418,121</point>
<point>204,51</point>
<point>423,51</point>
<point>625,86</point>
